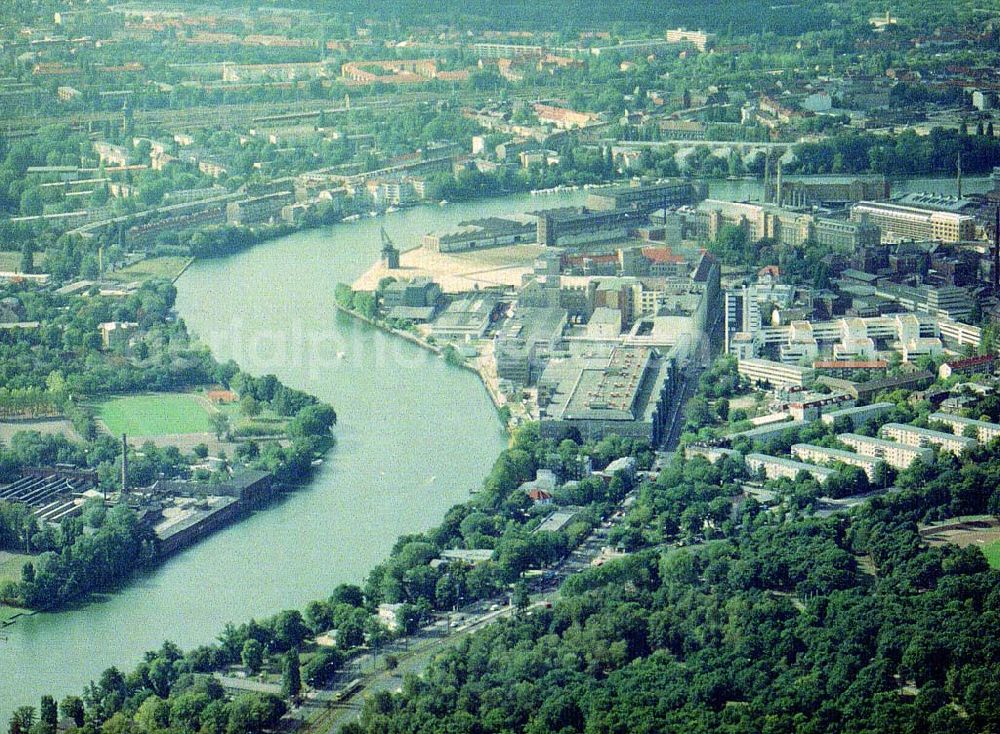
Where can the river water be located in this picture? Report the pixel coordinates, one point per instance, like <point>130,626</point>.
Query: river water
<point>415,436</point>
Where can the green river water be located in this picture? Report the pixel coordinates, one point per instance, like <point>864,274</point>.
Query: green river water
<point>415,436</point>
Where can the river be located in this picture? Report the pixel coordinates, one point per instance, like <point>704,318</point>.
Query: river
<point>415,436</point>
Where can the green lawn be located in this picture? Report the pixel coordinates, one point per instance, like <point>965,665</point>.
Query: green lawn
<point>155,415</point>
<point>992,553</point>
<point>155,267</point>
<point>10,565</point>
<point>10,261</point>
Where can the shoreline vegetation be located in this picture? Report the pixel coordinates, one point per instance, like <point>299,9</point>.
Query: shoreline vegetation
<point>68,379</point>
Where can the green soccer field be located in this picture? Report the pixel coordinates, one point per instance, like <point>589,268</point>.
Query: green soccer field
<point>155,415</point>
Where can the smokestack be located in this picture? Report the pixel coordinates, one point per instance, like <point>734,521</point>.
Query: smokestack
<point>124,467</point>
<point>959,174</point>
<point>777,187</point>
<point>767,175</point>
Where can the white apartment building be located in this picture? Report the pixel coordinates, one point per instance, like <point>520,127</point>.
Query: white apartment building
<point>896,455</point>
<point>776,374</point>
<point>923,437</point>
<point>985,431</point>
<point>823,455</point>
<point>776,467</point>
<point>858,414</point>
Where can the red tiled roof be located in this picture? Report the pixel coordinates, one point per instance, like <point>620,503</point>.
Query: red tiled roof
<point>661,255</point>
<point>959,364</point>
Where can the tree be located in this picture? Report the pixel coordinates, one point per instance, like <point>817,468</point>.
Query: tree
<point>28,257</point>
<point>22,720</point>
<point>252,656</point>
<point>250,406</point>
<point>521,597</point>
<point>48,714</point>
<point>220,424</point>
<point>291,676</point>
<point>153,715</point>
<point>72,708</point>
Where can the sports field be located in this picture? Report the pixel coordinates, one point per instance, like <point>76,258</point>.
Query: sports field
<point>155,415</point>
<point>166,268</point>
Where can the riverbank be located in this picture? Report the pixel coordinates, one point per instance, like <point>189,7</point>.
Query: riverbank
<point>492,387</point>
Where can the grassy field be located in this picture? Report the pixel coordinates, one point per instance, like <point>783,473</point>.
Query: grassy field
<point>155,267</point>
<point>155,415</point>
<point>992,553</point>
<point>10,565</point>
<point>11,261</point>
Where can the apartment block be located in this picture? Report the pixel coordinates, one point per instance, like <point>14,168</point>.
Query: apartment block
<point>858,414</point>
<point>896,455</point>
<point>776,467</point>
<point>985,431</point>
<point>823,455</point>
<point>923,437</point>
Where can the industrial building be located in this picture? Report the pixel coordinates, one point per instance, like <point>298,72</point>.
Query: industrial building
<point>900,222</point>
<point>647,198</point>
<point>608,389</point>
<point>482,233</point>
<point>826,190</point>
<point>468,317</point>
<point>525,342</point>
<point>578,225</point>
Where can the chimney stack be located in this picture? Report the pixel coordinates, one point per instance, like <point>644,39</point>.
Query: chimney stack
<point>959,174</point>
<point>124,467</point>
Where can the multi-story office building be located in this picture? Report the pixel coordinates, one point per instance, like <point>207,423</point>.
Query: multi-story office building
<point>946,302</point>
<point>899,222</point>
<point>775,374</point>
<point>914,436</point>
<point>699,39</point>
<point>846,235</point>
<point>743,305</point>
<point>896,455</point>
<point>788,227</point>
